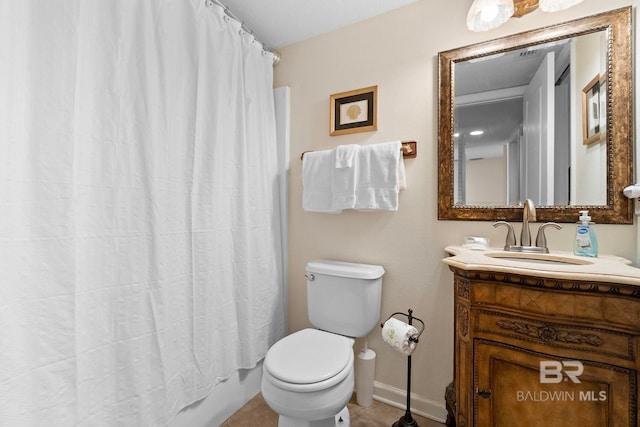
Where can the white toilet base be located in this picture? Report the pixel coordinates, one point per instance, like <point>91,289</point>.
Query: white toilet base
<point>342,419</point>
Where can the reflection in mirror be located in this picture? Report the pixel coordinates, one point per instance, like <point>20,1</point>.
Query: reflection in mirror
<point>516,126</point>
<point>544,115</point>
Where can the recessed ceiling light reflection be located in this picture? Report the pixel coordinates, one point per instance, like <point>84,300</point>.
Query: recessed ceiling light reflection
<point>476,132</point>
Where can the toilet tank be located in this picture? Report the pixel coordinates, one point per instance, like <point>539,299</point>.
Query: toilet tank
<point>343,297</point>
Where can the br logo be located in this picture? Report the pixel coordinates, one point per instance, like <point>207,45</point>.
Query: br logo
<point>553,372</point>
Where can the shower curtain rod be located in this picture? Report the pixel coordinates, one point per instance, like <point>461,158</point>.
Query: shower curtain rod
<point>230,14</point>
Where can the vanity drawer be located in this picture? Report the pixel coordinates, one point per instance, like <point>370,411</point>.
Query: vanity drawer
<point>559,299</point>
<point>544,336</point>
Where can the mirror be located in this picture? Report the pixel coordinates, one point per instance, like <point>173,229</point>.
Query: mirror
<point>545,115</point>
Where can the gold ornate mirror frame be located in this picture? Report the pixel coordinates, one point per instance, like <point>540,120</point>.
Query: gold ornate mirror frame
<point>618,209</point>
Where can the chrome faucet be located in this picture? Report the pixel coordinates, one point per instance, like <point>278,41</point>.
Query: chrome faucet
<point>528,214</point>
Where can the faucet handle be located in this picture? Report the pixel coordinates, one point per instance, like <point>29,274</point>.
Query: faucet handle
<point>511,236</point>
<point>541,240</point>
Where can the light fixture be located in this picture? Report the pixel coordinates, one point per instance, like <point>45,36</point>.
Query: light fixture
<point>556,5</point>
<point>476,132</point>
<point>524,6</point>
<point>487,14</point>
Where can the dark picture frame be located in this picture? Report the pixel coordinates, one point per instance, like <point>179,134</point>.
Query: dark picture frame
<point>354,111</point>
<point>593,119</point>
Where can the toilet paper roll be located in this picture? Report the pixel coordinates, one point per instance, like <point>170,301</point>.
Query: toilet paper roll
<point>365,371</point>
<point>396,333</point>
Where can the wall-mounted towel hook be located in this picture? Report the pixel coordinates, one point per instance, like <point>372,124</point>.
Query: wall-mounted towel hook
<point>409,149</point>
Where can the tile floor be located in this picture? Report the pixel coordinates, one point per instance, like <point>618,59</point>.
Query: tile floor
<point>256,413</point>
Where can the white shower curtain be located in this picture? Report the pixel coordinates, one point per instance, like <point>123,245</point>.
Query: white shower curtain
<point>140,251</point>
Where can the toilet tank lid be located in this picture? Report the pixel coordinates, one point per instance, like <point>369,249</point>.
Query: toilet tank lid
<point>345,269</point>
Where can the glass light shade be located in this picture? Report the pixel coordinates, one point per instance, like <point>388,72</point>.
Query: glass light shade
<point>487,14</point>
<point>556,5</point>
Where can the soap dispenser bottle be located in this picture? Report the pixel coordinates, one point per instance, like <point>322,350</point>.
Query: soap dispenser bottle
<point>586,242</point>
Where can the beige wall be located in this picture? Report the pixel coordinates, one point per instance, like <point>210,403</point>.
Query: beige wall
<point>398,52</point>
<point>486,181</point>
<point>591,190</point>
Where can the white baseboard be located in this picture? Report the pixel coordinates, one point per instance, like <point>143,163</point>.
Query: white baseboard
<point>419,406</point>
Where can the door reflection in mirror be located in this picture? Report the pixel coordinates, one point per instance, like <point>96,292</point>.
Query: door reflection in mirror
<point>528,105</point>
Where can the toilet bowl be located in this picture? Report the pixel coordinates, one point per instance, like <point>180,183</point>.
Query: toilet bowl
<point>308,376</point>
<point>308,379</point>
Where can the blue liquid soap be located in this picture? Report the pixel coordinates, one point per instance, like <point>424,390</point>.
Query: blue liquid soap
<point>586,242</point>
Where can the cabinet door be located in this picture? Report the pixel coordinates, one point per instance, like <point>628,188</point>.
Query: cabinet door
<point>510,391</point>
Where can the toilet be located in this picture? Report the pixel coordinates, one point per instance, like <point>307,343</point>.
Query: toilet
<point>308,376</point>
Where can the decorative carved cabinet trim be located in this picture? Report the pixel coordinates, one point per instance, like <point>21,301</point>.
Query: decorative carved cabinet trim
<point>462,287</point>
<point>507,324</point>
<point>550,334</point>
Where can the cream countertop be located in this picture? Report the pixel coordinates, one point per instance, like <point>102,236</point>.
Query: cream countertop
<point>555,265</point>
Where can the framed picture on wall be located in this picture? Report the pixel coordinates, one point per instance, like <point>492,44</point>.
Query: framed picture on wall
<point>354,111</point>
<point>593,115</point>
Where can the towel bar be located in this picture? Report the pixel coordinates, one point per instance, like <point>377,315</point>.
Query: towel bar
<point>409,150</point>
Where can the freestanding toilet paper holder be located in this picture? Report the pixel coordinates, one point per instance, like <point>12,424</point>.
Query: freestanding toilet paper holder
<point>407,419</point>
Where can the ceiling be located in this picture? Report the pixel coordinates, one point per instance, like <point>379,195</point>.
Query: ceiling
<point>278,23</point>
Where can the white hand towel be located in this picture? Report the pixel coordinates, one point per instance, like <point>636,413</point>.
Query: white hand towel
<point>402,175</point>
<point>317,178</point>
<point>396,333</point>
<point>378,176</point>
<point>345,155</point>
<point>343,184</point>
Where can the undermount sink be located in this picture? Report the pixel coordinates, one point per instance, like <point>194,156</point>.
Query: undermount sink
<point>541,258</point>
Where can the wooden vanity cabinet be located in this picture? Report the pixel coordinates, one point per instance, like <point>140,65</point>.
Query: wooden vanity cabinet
<point>582,336</point>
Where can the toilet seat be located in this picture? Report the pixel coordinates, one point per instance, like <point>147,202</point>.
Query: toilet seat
<point>309,360</point>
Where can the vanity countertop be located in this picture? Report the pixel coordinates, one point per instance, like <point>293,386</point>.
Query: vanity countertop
<point>555,265</point>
